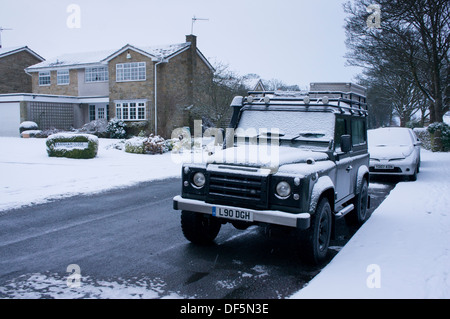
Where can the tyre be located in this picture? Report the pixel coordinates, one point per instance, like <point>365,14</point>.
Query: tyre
<point>360,214</point>
<point>199,228</point>
<point>315,241</point>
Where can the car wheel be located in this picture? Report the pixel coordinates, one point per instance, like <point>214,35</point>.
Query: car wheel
<point>199,228</point>
<point>360,214</point>
<point>315,241</point>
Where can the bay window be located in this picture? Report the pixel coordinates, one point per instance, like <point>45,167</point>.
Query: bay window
<point>131,110</point>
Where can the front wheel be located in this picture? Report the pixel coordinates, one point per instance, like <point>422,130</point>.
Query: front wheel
<point>360,214</point>
<point>199,228</point>
<point>315,241</point>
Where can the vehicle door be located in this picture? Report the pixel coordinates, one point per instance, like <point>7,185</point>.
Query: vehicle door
<point>359,151</point>
<point>344,160</point>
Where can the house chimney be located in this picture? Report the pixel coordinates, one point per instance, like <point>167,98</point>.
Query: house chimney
<point>193,40</point>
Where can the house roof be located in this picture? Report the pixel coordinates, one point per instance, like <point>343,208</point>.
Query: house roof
<point>253,83</point>
<point>13,50</point>
<point>155,52</point>
<point>80,60</point>
<point>72,60</point>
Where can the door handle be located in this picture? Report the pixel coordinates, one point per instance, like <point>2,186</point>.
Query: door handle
<point>349,168</point>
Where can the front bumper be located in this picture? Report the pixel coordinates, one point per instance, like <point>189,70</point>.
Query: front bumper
<point>301,221</point>
<point>401,167</point>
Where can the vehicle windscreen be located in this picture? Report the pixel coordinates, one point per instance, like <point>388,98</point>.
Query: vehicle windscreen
<point>389,137</point>
<point>297,127</point>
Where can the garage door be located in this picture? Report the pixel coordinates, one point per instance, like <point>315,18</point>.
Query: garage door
<point>9,119</point>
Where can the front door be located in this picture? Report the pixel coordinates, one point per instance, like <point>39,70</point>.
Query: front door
<point>98,111</point>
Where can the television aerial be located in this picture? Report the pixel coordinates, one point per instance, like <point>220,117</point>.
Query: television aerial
<point>193,21</point>
<point>1,30</point>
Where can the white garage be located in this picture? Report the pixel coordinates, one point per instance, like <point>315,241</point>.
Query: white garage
<point>9,118</point>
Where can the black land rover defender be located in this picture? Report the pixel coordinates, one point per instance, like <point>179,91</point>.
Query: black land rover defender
<point>297,161</point>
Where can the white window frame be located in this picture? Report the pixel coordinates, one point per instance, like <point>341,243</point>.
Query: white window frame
<point>96,74</point>
<point>97,112</point>
<point>131,110</point>
<point>131,72</point>
<point>44,75</point>
<point>63,77</point>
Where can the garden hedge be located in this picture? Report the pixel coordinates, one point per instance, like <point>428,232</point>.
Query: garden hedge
<point>72,145</point>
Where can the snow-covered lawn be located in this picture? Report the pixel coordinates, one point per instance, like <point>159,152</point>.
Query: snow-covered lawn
<point>29,176</point>
<point>403,250</point>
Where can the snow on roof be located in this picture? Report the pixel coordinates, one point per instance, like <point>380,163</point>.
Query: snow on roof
<point>73,59</point>
<point>167,50</point>
<point>101,57</point>
<point>12,50</point>
<point>251,83</point>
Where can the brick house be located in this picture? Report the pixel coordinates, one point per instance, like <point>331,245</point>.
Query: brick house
<point>130,83</point>
<point>13,61</point>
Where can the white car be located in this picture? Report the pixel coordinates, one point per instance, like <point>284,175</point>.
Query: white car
<point>394,151</point>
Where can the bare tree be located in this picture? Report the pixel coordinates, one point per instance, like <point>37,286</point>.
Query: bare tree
<point>414,38</point>
<point>221,88</point>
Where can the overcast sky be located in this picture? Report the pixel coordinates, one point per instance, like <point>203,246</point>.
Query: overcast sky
<point>295,41</point>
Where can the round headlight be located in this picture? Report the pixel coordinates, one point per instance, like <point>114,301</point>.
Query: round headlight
<point>199,179</point>
<point>283,189</point>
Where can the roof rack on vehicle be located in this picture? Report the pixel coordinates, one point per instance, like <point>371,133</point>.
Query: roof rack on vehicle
<point>350,101</point>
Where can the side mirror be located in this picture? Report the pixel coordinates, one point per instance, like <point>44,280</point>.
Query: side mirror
<point>418,143</point>
<point>346,143</point>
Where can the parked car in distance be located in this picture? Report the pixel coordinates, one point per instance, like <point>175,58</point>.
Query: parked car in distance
<point>394,151</point>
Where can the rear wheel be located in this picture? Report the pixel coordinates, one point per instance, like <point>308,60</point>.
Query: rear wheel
<point>199,228</point>
<point>315,241</point>
<point>360,214</point>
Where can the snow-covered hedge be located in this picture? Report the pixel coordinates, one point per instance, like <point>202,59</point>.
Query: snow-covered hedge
<point>135,145</point>
<point>445,134</point>
<point>156,145</point>
<point>72,145</point>
<point>148,145</point>
<point>31,133</point>
<point>28,126</point>
<point>116,128</point>
<point>96,127</point>
<point>424,136</point>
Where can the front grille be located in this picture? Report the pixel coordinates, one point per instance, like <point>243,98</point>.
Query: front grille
<point>234,189</point>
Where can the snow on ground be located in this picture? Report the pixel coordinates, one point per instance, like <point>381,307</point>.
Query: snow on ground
<point>30,176</point>
<point>53,286</point>
<point>403,250</point>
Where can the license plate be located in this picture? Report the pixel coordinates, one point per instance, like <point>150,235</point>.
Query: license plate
<point>384,166</point>
<point>232,213</point>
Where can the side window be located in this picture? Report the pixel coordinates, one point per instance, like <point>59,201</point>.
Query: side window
<point>358,131</point>
<point>341,129</point>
